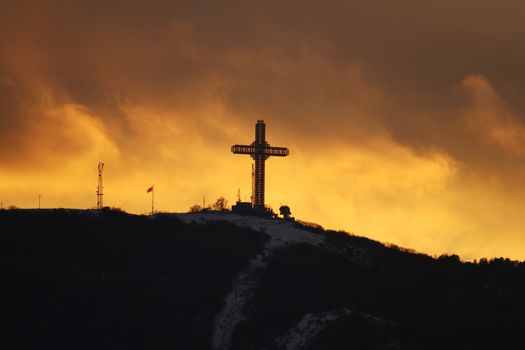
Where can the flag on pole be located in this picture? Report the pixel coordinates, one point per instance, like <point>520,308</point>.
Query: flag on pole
<point>150,189</point>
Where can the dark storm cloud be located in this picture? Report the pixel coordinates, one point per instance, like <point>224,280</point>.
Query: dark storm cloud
<point>332,70</point>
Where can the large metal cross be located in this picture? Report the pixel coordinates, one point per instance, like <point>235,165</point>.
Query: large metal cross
<point>259,150</point>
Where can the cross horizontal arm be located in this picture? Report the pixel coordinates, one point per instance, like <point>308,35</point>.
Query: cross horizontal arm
<point>266,150</point>
<point>276,151</point>
<point>243,149</point>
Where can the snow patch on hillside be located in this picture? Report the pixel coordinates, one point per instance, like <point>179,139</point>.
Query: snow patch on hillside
<point>281,233</point>
<point>310,325</point>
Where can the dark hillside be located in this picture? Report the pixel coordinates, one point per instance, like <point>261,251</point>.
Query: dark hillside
<point>110,280</point>
<point>417,302</point>
<point>78,280</point>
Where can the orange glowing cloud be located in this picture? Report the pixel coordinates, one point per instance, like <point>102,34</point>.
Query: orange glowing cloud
<point>407,129</point>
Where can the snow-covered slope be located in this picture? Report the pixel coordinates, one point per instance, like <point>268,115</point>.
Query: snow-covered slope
<point>280,233</point>
<point>311,324</point>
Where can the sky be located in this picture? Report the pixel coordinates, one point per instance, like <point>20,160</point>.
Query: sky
<point>405,119</point>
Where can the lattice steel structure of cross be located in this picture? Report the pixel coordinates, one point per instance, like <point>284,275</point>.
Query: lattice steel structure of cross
<point>259,150</point>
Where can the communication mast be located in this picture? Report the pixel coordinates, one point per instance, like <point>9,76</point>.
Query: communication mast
<point>100,188</point>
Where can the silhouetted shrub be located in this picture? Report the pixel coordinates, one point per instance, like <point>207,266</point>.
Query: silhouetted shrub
<point>220,204</point>
<point>195,208</point>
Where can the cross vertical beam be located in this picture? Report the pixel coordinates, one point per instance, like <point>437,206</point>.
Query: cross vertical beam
<point>258,201</point>
<point>260,142</point>
<point>259,150</point>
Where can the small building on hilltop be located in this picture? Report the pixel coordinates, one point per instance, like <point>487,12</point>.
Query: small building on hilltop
<point>243,208</point>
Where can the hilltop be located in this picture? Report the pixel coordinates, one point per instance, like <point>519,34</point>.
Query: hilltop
<point>104,279</point>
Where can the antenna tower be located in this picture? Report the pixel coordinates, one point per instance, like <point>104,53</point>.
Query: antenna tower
<point>100,188</point>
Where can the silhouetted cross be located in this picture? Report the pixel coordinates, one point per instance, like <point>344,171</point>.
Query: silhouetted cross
<point>260,150</point>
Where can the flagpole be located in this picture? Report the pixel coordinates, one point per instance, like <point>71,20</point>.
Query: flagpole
<point>152,198</point>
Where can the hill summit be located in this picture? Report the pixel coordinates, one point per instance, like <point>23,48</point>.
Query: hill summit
<point>104,279</point>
